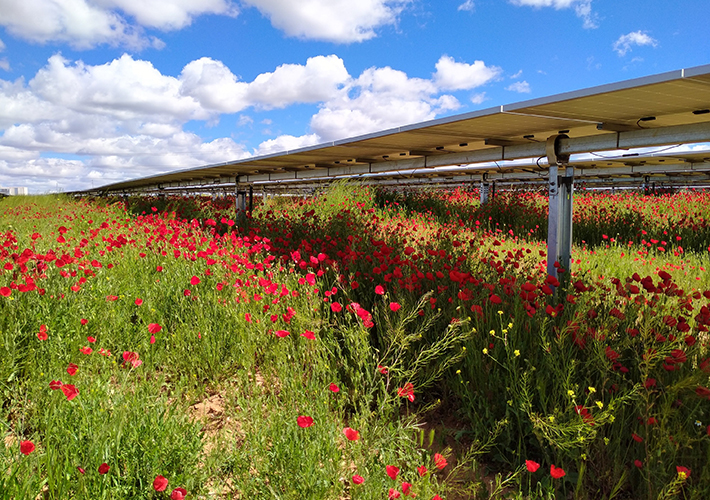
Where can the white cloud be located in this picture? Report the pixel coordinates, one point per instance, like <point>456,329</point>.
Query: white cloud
<point>452,75</point>
<point>625,42</point>
<point>522,87</point>
<point>126,119</point>
<point>583,9</point>
<point>478,98</point>
<point>467,6</point>
<point>170,14</point>
<point>2,46</point>
<point>340,21</point>
<point>86,23</point>
<point>5,64</point>
<point>286,143</point>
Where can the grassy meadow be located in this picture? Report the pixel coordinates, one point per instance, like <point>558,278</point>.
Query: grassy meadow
<point>356,344</point>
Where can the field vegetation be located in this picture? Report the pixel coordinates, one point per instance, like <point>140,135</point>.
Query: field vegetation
<point>354,344</point>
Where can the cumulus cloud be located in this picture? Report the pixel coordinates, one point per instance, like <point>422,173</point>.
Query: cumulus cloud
<point>85,24</point>
<point>583,9</point>
<point>339,21</point>
<point>624,43</point>
<point>452,75</point>
<point>126,119</point>
<point>521,87</point>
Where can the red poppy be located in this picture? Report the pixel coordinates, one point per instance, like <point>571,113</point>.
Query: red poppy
<point>392,472</point>
<point>406,488</point>
<point>133,358</point>
<point>154,328</point>
<point>139,302</point>
<point>406,392</point>
<point>683,470</point>
<point>351,434</point>
<point>421,470</point>
<point>82,471</point>
<point>393,494</point>
<point>440,461</point>
<point>282,333</point>
<point>55,384</point>
<point>638,463</point>
<point>5,291</point>
<point>379,290</point>
<point>532,465</point>
<point>83,321</point>
<point>336,307</point>
<point>26,447</point>
<point>194,280</point>
<point>556,472</point>
<point>309,335</point>
<point>436,497</point>
<point>160,483</point>
<point>358,479</point>
<point>304,421</point>
<point>70,391</point>
<point>394,306</point>
<point>152,339</point>
<point>103,468</point>
<point>334,388</point>
<point>90,340</point>
<point>42,334</point>
<point>636,437</point>
<point>86,350</point>
<point>72,369</point>
<point>382,369</point>
<point>178,494</point>
<point>111,298</point>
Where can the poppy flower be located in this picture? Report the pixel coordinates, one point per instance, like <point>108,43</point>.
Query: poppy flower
<point>406,487</point>
<point>531,465</point>
<point>152,339</point>
<point>392,472</point>
<point>379,290</point>
<point>72,369</point>
<point>394,306</point>
<point>194,280</point>
<point>104,468</point>
<point>351,434</point>
<point>309,335</point>
<point>160,483</point>
<point>636,437</point>
<point>86,350</point>
<point>154,328</point>
<point>304,421</point>
<point>83,321</point>
<point>282,333</point>
<point>421,470</point>
<point>42,334</point>
<point>436,497</point>
<point>27,447</point>
<point>393,494</point>
<point>406,392</point>
<point>139,302</point>
<point>334,388</point>
<point>132,358</point>
<point>358,479</point>
<point>111,298</point>
<point>55,384</point>
<point>382,369</point>
<point>556,472</point>
<point>178,494</point>
<point>90,340</point>
<point>440,461</point>
<point>70,391</point>
<point>336,307</point>
<point>81,471</point>
<point>638,463</point>
<point>5,291</point>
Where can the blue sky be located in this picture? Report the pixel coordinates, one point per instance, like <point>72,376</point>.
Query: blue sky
<point>97,91</point>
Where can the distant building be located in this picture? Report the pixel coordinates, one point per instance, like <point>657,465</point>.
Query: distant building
<point>14,191</point>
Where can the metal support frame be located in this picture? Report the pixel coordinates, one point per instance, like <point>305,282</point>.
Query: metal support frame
<point>559,220</point>
<point>484,189</point>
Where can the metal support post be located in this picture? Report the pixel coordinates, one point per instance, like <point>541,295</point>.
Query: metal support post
<point>484,189</point>
<point>559,221</point>
<point>251,198</point>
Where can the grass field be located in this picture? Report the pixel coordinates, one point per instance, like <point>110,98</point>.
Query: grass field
<point>356,344</point>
